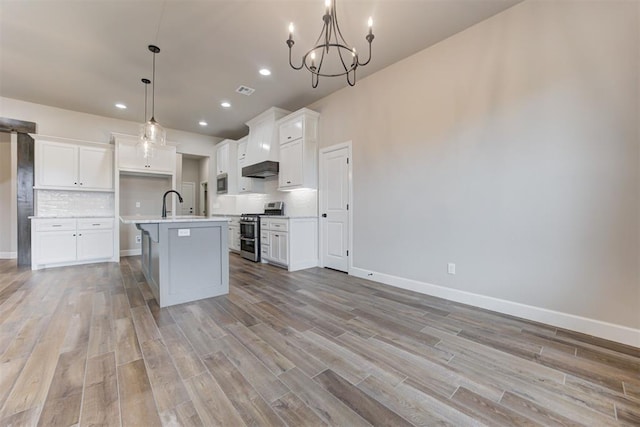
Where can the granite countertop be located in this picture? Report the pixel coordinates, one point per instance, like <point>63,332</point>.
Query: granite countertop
<point>70,216</point>
<point>153,219</point>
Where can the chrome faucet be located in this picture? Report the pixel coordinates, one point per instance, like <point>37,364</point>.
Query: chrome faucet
<point>164,202</point>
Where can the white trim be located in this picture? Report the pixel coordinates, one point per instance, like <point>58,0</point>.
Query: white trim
<point>8,255</point>
<point>130,252</point>
<point>347,145</point>
<point>609,331</point>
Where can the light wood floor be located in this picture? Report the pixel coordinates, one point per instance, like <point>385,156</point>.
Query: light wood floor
<point>88,345</point>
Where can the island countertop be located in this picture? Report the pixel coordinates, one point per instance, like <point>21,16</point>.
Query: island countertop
<point>155,219</point>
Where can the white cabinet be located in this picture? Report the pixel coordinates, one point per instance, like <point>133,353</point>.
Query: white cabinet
<point>298,139</point>
<point>222,157</point>
<point>247,185</point>
<point>227,163</point>
<point>130,159</point>
<point>290,243</point>
<point>234,234</point>
<point>57,242</point>
<point>73,165</point>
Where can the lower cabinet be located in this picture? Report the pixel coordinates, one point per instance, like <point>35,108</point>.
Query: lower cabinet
<point>58,242</point>
<point>234,234</point>
<point>291,243</point>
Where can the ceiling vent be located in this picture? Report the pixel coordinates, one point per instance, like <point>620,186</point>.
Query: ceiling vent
<point>245,90</point>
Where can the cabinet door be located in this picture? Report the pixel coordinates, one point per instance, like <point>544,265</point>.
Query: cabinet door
<point>291,164</point>
<point>279,251</point>
<point>163,160</point>
<point>55,246</point>
<point>95,168</point>
<point>57,165</point>
<point>129,158</point>
<point>95,244</point>
<point>222,159</point>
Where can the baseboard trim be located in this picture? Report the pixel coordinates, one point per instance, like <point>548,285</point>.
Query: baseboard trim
<point>597,328</point>
<point>130,252</point>
<point>8,255</point>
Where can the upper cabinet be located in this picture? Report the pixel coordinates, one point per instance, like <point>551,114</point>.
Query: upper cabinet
<point>298,139</point>
<point>262,145</point>
<point>247,185</point>
<point>163,161</point>
<point>73,165</point>
<point>227,163</point>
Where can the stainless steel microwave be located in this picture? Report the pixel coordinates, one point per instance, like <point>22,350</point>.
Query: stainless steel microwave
<point>222,185</point>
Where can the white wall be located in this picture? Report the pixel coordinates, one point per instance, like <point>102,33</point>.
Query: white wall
<point>512,150</point>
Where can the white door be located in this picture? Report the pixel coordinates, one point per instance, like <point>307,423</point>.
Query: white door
<point>188,198</point>
<point>335,175</point>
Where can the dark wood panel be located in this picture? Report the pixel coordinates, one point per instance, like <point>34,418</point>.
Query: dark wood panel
<point>25,182</point>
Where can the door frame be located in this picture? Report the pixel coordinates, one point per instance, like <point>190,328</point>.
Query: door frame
<point>321,190</point>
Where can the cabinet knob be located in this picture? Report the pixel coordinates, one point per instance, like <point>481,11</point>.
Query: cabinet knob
<point>288,182</point>
<point>75,183</point>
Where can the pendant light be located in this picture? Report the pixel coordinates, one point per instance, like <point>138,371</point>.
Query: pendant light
<point>144,147</point>
<point>151,131</point>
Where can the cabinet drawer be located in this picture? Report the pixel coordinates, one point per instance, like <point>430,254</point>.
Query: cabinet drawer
<point>264,237</point>
<point>264,223</point>
<point>95,224</point>
<point>234,221</point>
<point>291,130</point>
<point>264,251</point>
<point>55,224</point>
<point>279,225</point>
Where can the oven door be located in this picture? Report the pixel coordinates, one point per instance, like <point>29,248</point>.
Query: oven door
<point>249,249</point>
<point>249,229</point>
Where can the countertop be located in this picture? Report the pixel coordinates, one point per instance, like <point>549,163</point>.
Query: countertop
<point>70,216</point>
<point>272,216</point>
<point>154,219</point>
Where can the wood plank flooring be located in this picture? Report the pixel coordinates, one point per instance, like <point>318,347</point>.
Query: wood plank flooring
<point>89,345</point>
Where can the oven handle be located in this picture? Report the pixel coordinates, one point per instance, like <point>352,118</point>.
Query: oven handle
<point>246,238</point>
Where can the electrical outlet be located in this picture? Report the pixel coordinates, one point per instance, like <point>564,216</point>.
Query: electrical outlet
<point>137,204</point>
<point>451,268</point>
<point>138,239</point>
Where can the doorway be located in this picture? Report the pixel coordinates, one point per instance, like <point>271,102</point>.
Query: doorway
<point>335,194</point>
<point>204,198</point>
<point>188,192</point>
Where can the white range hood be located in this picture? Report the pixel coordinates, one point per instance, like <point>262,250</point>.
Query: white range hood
<point>263,150</point>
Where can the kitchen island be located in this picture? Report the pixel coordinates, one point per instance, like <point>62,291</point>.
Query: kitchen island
<point>184,258</point>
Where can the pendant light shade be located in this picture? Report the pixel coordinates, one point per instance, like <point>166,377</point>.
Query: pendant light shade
<point>145,147</point>
<point>152,133</point>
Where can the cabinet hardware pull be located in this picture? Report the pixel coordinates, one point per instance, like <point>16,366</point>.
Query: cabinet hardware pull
<point>56,225</point>
<point>288,182</point>
<point>74,235</point>
<point>95,225</point>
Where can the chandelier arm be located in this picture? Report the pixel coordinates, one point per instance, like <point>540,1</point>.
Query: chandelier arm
<point>362,64</point>
<point>291,63</point>
<point>354,78</point>
<point>346,69</point>
<point>317,72</point>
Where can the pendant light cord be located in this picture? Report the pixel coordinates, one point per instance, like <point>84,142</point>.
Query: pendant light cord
<point>153,88</point>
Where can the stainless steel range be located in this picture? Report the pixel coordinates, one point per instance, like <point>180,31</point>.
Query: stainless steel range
<point>250,230</point>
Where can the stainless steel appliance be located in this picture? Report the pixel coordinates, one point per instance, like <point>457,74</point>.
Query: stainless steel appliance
<point>250,237</point>
<point>250,230</point>
<point>222,182</point>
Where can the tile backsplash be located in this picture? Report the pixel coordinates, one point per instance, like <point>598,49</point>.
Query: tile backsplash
<point>74,203</point>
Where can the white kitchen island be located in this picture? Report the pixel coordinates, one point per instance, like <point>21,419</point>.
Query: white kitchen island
<point>184,258</point>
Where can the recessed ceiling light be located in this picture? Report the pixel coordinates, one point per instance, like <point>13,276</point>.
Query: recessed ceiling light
<point>265,71</point>
<point>225,104</point>
<point>121,106</point>
<point>202,123</point>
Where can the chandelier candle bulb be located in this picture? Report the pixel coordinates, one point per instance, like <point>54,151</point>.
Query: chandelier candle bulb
<point>291,31</point>
<point>370,23</point>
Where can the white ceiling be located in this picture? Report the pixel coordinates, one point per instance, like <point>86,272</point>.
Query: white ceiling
<point>87,55</point>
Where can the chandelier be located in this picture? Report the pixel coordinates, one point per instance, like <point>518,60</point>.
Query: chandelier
<point>151,133</point>
<point>331,56</point>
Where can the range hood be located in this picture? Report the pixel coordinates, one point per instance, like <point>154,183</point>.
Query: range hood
<point>263,149</point>
<point>263,169</point>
